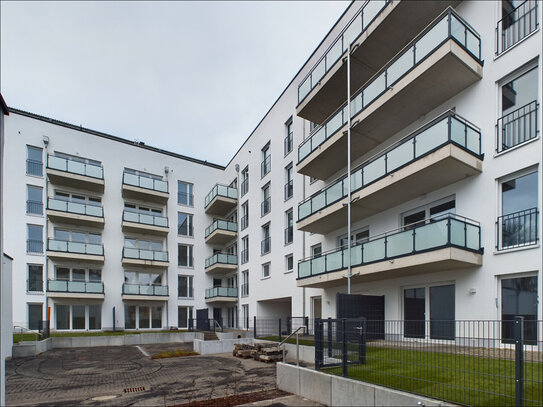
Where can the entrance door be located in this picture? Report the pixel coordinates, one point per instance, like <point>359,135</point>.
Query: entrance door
<point>202,319</point>
<point>217,315</point>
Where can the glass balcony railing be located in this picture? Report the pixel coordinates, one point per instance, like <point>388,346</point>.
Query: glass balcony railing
<point>55,245</point>
<point>221,225</point>
<point>144,254</point>
<point>75,166</point>
<point>140,289</point>
<point>443,231</point>
<point>358,25</point>
<point>221,258</point>
<point>145,219</point>
<point>145,182</point>
<point>448,26</point>
<point>446,129</point>
<point>222,292</point>
<point>84,287</point>
<point>75,207</point>
<point>220,190</point>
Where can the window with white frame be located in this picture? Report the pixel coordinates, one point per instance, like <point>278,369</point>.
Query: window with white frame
<point>184,314</point>
<point>357,237</point>
<point>184,193</point>
<point>289,226</point>
<point>266,270</point>
<point>78,316</point>
<point>34,161</point>
<point>519,298</point>
<point>245,283</point>
<point>142,317</point>
<point>288,136</point>
<point>431,212</point>
<point>266,160</point>
<point>266,199</point>
<point>35,278</point>
<point>184,224</point>
<point>184,255</point>
<point>244,215</point>
<point>35,315</point>
<point>244,181</point>
<point>518,20</point>
<point>245,249</point>
<point>316,250</point>
<point>185,288</point>
<point>289,263</point>
<point>34,200</point>
<point>34,243</point>
<point>266,239</point>
<point>289,186</point>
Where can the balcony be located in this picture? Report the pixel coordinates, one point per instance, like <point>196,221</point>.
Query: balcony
<point>75,213</point>
<point>75,289</point>
<point>445,151</point>
<point>74,173</point>
<point>442,243</point>
<point>221,263</point>
<point>221,200</point>
<point>378,31</point>
<point>78,251</point>
<point>145,188</point>
<point>139,292</point>
<point>145,223</point>
<point>144,257</point>
<point>440,63</point>
<point>221,232</point>
<point>221,294</point>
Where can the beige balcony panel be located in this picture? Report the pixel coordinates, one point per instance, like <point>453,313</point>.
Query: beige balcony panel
<point>135,297</point>
<point>443,167</point>
<point>445,73</point>
<point>75,219</point>
<point>387,35</point>
<point>69,179</point>
<point>75,256</point>
<point>145,263</point>
<point>134,227</point>
<point>89,296</point>
<point>221,299</point>
<point>144,194</point>
<point>220,237</point>
<point>221,206</point>
<point>221,269</point>
<point>446,259</point>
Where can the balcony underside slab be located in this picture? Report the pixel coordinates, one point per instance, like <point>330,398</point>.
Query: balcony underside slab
<point>144,194</point>
<point>129,297</point>
<point>220,269</point>
<point>133,227</point>
<point>145,263</point>
<point>221,299</point>
<point>220,237</point>
<point>75,256</point>
<point>221,206</point>
<point>69,179</point>
<point>89,296</point>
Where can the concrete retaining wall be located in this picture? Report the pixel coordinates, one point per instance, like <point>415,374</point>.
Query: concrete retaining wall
<point>23,349</point>
<point>307,353</point>
<point>221,346</point>
<point>338,391</point>
<point>234,335</point>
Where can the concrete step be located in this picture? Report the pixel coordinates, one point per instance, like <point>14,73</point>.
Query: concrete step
<point>210,336</point>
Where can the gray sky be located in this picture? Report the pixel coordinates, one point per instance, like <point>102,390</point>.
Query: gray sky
<point>191,77</point>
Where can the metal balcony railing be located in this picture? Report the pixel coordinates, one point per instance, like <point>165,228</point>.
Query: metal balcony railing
<point>75,208</point>
<point>34,167</point>
<point>265,206</point>
<point>221,225</point>
<point>221,258</point>
<point>289,189</point>
<point>74,166</point>
<point>145,182</point>
<point>244,256</point>
<point>265,245</point>
<point>231,292</point>
<point>34,246</point>
<point>34,207</point>
<point>265,166</point>
<point>220,190</point>
<point>55,245</point>
<point>244,222</point>
<point>83,287</point>
<point>245,290</point>
<point>34,285</point>
<point>516,25</point>
<point>518,229</point>
<point>244,186</point>
<point>288,143</point>
<point>145,219</point>
<point>144,254</point>
<point>140,289</point>
<point>517,127</point>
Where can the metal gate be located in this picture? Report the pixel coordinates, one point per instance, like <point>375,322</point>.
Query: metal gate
<point>370,307</point>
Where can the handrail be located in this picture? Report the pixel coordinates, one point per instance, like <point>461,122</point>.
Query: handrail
<point>216,324</point>
<point>38,334</point>
<point>297,345</point>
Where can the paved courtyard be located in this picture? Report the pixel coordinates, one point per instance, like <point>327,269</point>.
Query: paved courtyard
<point>90,376</point>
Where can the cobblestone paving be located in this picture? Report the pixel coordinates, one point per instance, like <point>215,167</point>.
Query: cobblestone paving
<point>76,376</point>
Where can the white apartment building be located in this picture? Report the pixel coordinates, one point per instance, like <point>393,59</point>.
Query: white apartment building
<point>445,181</point>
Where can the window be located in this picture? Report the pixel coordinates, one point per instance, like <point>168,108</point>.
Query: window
<point>184,255</point>
<point>289,263</point>
<point>517,226</point>
<point>518,121</point>
<point>289,189</point>
<point>184,287</point>
<point>266,270</point>
<point>35,278</point>
<point>184,224</point>
<point>184,314</point>
<point>34,202</point>
<point>266,160</point>
<point>95,316</point>
<point>184,194</point>
<point>266,199</point>
<point>245,181</point>
<point>519,298</point>
<point>245,283</point>
<point>142,317</point>
<point>35,312</point>
<point>34,161</point>
<point>266,239</point>
<point>357,237</point>
<point>140,244</point>
<point>62,314</point>
<point>245,310</point>
<point>289,229</point>
<point>34,243</point>
<point>316,250</point>
<point>78,237</point>
<point>519,19</point>
<point>128,207</point>
<point>312,180</point>
<point>288,136</point>
<point>435,210</point>
<point>244,215</point>
<point>244,249</point>
<point>312,126</point>
<point>142,278</point>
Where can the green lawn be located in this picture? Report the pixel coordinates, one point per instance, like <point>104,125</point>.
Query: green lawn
<point>32,337</point>
<point>306,342</point>
<point>27,337</point>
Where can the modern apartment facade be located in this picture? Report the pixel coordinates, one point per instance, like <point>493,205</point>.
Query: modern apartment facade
<point>445,183</point>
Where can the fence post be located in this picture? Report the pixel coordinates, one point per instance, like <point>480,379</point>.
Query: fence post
<point>329,337</point>
<point>254,326</point>
<point>306,323</point>
<point>343,348</point>
<point>319,343</point>
<point>280,330</point>
<point>519,360</point>
<point>289,325</point>
<point>362,342</point>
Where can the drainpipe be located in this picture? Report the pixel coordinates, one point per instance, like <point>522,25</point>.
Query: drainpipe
<point>349,271</point>
<point>46,263</point>
<point>303,233</point>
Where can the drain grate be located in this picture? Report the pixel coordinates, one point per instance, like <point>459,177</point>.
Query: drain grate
<point>134,389</point>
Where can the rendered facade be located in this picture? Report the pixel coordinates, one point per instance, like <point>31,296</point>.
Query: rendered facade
<point>446,190</point>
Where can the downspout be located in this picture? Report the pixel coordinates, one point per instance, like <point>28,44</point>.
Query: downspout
<point>46,282</point>
<point>303,233</point>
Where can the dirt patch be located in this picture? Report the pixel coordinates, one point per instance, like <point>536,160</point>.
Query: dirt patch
<point>237,399</point>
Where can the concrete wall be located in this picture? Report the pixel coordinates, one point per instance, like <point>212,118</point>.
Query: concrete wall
<point>220,346</point>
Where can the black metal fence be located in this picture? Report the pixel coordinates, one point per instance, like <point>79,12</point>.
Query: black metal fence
<point>517,229</point>
<point>516,25</point>
<point>279,328</point>
<point>493,363</point>
<point>205,324</point>
<point>517,127</point>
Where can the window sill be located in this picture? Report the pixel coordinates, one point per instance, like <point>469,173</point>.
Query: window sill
<point>288,271</point>
<point>35,254</point>
<point>186,237</point>
<point>35,293</point>
<point>496,57</point>
<point>288,244</point>
<point>35,176</point>
<point>185,267</point>
<point>265,278</point>
<point>185,205</point>
<point>185,298</point>
<point>35,215</point>
<point>517,249</point>
<point>288,153</point>
<point>515,147</point>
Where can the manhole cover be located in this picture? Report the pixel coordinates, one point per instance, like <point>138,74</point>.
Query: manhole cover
<point>103,398</point>
<point>134,389</point>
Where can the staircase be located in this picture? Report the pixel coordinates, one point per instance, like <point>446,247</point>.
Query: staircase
<point>210,336</point>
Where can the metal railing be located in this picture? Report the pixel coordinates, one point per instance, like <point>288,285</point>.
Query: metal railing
<point>516,25</point>
<point>265,166</point>
<point>74,166</point>
<point>265,206</point>
<point>220,190</point>
<point>83,287</point>
<point>449,26</point>
<point>34,246</point>
<point>265,245</point>
<point>448,230</point>
<point>34,207</point>
<point>244,256</point>
<point>288,143</point>
<point>221,258</point>
<point>517,127</point>
<point>446,129</point>
<point>518,229</point>
<point>140,289</point>
<point>220,224</point>
<point>185,199</point>
<point>34,285</point>
<point>221,292</point>
<point>244,222</point>
<point>244,186</point>
<point>65,246</point>
<point>204,324</point>
<point>145,219</point>
<point>34,167</point>
<point>289,233</point>
<point>75,207</point>
<point>145,182</point>
<point>289,189</point>
<point>245,290</point>
<point>144,254</point>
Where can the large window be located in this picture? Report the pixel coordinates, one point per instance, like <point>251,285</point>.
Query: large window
<point>142,317</point>
<point>244,249</point>
<point>266,270</point>
<point>289,226</point>
<point>184,193</point>
<point>244,215</point>
<point>35,278</point>
<point>266,160</point>
<point>518,20</point>
<point>34,161</point>
<point>519,299</point>
<point>289,186</point>
<point>34,243</point>
<point>184,314</point>
<point>184,287</point>
<point>184,255</point>
<point>34,200</point>
<point>517,226</point>
<point>289,263</point>
<point>245,283</point>
<point>288,136</point>
<point>184,224</point>
<point>428,213</point>
<point>266,199</point>
<point>35,316</point>
<point>245,181</point>
<point>78,316</point>
<point>266,239</point>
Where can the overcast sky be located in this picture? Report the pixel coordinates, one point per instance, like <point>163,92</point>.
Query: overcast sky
<point>191,77</point>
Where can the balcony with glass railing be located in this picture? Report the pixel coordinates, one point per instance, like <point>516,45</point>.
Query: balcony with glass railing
<point>145,292</point>
<point>221,232</point>
<point>144,187</point>
<point>221,294</point>
<point>445,242</point>
<point>76,213</point>
<point>221,200</point>
<point>439,63</point>
<point>75,289</point>
<point>144,223</point>
<point>72,250</point>
<point>145,257</point>
<point>444,151</point>
<point>75,172</point>
<point>392,23</point>
<point>221,263</point>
